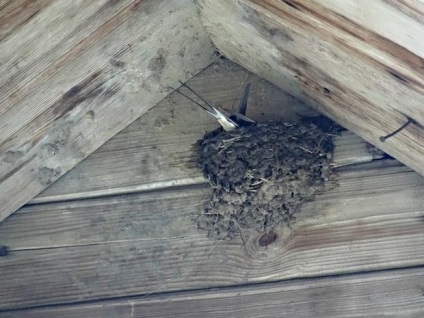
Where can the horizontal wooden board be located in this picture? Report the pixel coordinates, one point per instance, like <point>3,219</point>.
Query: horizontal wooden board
<point>387,294</point>
<point>156,150</point>
<point>371,218</point>
<point>75,73</point>
<point>342,63</point>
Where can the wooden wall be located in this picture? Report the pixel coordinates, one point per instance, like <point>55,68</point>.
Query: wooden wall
<point>127,245</point>
<point>75,73</point>
<point>359,62</point>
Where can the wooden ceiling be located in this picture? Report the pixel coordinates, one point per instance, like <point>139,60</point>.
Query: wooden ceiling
<point>75,73</point>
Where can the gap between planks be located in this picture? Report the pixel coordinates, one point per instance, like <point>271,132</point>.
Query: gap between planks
<point>398,293</point>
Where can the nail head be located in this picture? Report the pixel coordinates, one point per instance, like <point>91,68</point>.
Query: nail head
<point>3,250</point>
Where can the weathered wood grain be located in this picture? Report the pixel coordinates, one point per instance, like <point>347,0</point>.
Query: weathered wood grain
<point>15,14</point>
<point>155,151</point>
<point>387,294</point>
<point>371,219</point>
<point>150,216</point>
<point>349,71</point>
<point>351,149</point>
<point>75,73</point>
<point>390,24</point>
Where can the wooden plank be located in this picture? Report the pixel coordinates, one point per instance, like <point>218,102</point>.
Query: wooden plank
<point>398,23</point>
<point>370,219</point>
<point>155,151</point>
<point>150,216</point>
<point>388,294</point>
<point>348,71</point>
<point>350,149</point>
<point>75,73</point>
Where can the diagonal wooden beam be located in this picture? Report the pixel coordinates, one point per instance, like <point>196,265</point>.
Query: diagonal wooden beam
<point>75,73</point>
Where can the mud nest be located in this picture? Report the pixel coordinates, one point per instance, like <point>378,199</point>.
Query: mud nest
<point>261,175</point>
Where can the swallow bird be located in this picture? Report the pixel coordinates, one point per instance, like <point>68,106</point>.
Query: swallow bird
<point>228,123</point>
